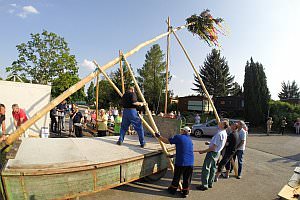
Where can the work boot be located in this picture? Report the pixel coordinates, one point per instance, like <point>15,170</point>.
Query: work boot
<point>119,143</point>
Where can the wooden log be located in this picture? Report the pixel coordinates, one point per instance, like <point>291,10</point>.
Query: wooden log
<point>167,65</point>
<point>199,78</point>
<point>205,91</point>
<point>122,74</point>
<point>97,99</point>
<point>15,135</point>
<point>152,122</point>
<point>108,79</point>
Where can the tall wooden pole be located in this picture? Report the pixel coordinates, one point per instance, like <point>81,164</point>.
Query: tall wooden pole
<point>15,135</point>
<point>152,122</point>
<point>97,99</point>
<point>205,91</point>
<point>167,65</point>
<point>199,78</point>
<point>122,74</point>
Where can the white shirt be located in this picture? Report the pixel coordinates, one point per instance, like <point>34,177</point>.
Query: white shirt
<point>242,136</point>
<point>219,140</point>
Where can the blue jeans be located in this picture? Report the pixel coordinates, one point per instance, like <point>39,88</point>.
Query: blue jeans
<point>130,116</point>
<point>240,157</point>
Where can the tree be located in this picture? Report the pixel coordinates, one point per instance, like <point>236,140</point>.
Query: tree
<point>289,90</point>
<point>236,90</point>
<point>44,58</point>
<point>90,98</point>
<point>152,78</point>
<point>64,82</point>
<point>256,93</point>
<point>215,75</point>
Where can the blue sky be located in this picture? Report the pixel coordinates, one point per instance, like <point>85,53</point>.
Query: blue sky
<point>267,30</point>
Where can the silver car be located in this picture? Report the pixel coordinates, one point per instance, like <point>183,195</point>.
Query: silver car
<point>209,128</point>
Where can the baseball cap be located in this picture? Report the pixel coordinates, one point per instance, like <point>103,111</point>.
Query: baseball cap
<point>186,128</point>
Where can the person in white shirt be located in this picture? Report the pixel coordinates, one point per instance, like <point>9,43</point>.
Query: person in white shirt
<point>216,145</point>
<point>242,131</point>
<point>197,119</point>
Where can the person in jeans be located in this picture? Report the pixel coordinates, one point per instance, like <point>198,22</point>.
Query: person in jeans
<point>130,116</point>
<point>184,162</point>
<point>77,119</point>
<point>216,145</point>
<point>241,147</point>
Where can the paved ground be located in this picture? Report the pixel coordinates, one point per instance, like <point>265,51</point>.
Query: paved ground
<point>269,163</point>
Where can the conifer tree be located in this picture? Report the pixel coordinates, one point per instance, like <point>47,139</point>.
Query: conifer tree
<point>289,90</point>
<point>215,75</point>
<point>256,93</point>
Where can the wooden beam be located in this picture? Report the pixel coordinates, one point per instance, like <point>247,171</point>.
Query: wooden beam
<point>15,135</point>
<point>122,74</point>
<point>199,78</point>
<point>152,122</point>
<point>167,65</point>
<point>108,79</point>
<point>97,99</point>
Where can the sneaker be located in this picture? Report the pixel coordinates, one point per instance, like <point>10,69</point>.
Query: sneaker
<point>201,187</point>
<point>216,179</point>
<point>119,143</point>
<point>143,145</point>
<point>210,186</point>
<point>184,195</point>
<point>239,177</point>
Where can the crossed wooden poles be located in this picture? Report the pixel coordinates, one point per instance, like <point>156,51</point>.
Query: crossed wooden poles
<point>101,69</point>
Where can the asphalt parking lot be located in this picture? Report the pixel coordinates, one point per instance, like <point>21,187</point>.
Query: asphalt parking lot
<point>269,163</point>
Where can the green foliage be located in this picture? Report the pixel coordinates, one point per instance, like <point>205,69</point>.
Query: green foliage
<point>279,109</point>
<point>236,90</point>
<point>289,90</point>
<point>44,58</point>
<point>256,93</point>
<point>152,78</point>
<point>203,25</point>
<point>105,93</point>
<point>215,76</point>
<point>90,98</point>
<point>64,82</point>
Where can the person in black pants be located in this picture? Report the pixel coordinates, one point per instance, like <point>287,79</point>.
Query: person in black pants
<point>77,118</point>
<point>53,126</point>
<point>184,162</point>
<point>230,149</point>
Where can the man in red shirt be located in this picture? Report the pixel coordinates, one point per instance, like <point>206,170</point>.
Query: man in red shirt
<point>19,115</point>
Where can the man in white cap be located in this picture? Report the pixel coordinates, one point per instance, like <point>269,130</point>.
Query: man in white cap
<point>184,162</point>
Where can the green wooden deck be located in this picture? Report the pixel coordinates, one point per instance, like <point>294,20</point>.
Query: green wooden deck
<point>65,168</point>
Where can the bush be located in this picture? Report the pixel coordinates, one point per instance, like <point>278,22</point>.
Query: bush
<point>279,110</point>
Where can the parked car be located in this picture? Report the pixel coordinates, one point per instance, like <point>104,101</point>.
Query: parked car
<point>209,128</point>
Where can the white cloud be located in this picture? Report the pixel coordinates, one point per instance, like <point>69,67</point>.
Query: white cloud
<point>30,9</point>
<point>88,64</point>
<point>26,10</point>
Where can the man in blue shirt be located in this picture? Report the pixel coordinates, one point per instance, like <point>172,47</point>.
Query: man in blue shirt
<point>184,161</point>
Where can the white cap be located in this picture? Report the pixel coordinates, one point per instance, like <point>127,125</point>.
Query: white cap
<point>186,129</point>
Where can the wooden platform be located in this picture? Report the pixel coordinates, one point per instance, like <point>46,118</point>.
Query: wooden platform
<point>59,168</point>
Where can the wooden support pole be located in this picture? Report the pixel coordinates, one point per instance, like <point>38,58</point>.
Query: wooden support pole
<point>152,122</point>
<point>205,91</point>
<point>15,135</point>
<point>122,74</point>
<point>167,66</point>
<point>108,79</point>
<point>199,78</point>
<point>97,99</point>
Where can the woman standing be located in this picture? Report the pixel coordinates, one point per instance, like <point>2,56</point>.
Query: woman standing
<point>102,123</point>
